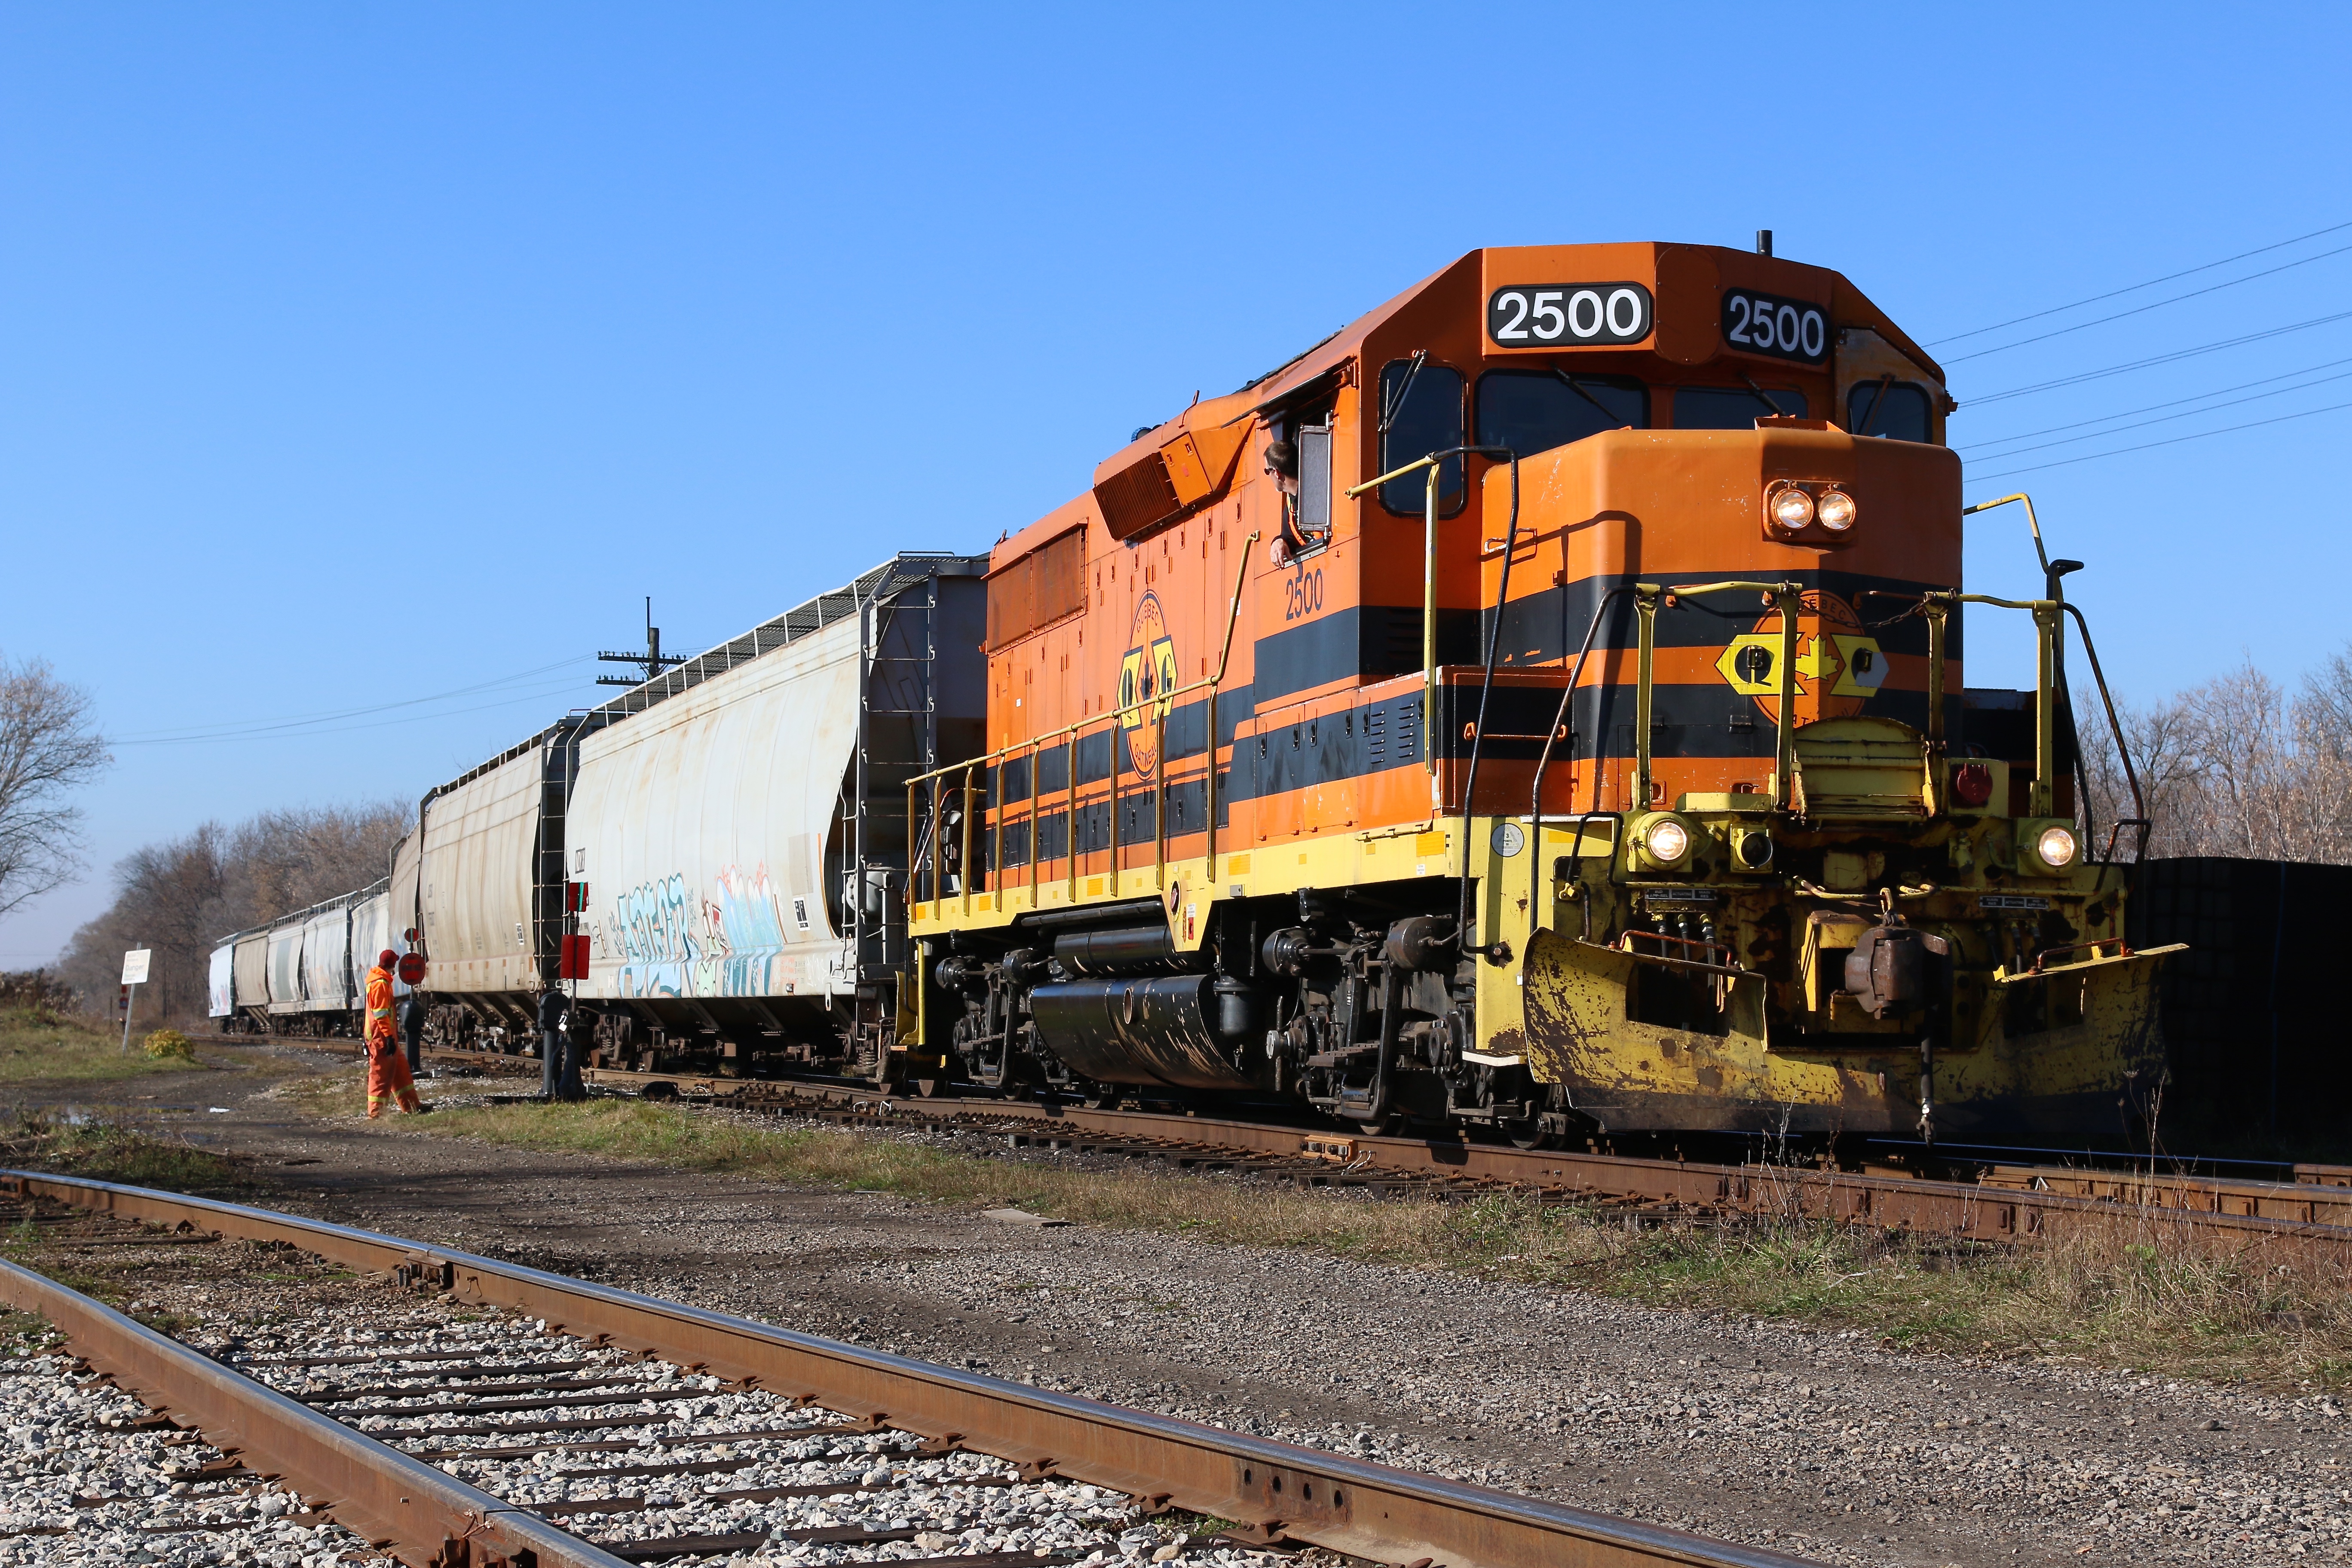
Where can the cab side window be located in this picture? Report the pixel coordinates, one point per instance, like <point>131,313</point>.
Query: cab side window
<point>1900,416</point>
<point>1314,446</point>
<point>1732,407</point>
<point>1532,411</point>
<point>1420,409</point>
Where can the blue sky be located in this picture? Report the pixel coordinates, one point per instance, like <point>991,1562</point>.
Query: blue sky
<point>363,354</point>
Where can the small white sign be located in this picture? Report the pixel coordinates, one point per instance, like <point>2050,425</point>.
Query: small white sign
<point>135,966</point>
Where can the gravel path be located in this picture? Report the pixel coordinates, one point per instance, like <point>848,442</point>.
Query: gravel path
<point>1815,1443</point>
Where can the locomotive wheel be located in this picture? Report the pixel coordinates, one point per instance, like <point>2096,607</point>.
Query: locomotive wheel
<point>1102,1097</point>
<point>1530,1133</point>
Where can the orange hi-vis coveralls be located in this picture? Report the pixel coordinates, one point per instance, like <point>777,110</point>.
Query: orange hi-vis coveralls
<point>388,1076</point>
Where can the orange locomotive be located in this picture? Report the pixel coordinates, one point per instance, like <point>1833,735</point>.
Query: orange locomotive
<point>1538,705</point>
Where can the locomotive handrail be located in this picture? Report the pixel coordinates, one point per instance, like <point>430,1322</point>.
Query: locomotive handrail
<point>1162,702</point>
<point>2053,634</point>
<point>2115,726</point>
<point>1786,598</point>
<point>2123,755</point>
<point>1561,725</point>
<point>1435,464</point>
<point>2049,630</point>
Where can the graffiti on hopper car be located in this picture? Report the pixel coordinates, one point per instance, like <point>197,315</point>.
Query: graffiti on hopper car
<point>675,941</point>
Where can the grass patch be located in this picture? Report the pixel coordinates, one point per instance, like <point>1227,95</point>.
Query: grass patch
<point>38,1043</point>
<point>129,1155</point>
<point>2150,1299</point>
<point>342,1091</point>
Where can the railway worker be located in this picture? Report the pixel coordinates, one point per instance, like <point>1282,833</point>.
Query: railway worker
<point>578,1037</point>
<point>554,1018</point>
<point>388,1075</point>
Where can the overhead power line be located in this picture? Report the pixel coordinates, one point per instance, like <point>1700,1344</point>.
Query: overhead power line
<point>2152,305</point>
<point>2146,445</point>
<point>2163,418</point>
<point>2158,358</point>
<point>279,733</point>
<point>2152,407</point>
<point>2135,288</point>
<point>241,727</point>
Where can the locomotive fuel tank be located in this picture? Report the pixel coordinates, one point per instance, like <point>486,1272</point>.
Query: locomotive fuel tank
<point>1126,950</point>
<point>1179,1031</point>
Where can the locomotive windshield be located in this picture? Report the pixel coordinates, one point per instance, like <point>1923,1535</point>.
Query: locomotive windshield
<point>1732,407</point>
<point>1532,411</point>
<point>1903,415</point>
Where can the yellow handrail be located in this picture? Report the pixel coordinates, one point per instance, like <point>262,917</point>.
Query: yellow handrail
<point>2049,632</point>
<point>1786,598</point>
<point>1428,602</point>
<point>1162,702</point>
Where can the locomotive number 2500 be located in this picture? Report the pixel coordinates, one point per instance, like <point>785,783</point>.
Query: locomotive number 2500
<point>1785,329</point>
<point>1302,594</point>
<point>1547,315</point>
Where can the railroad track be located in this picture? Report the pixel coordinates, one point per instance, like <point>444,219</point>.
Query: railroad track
<point>2008,1203</point>
<point>578,1425</point>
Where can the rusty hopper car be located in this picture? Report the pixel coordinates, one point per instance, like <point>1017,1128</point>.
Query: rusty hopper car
<point>721,851</point>
<point>1539,706</point>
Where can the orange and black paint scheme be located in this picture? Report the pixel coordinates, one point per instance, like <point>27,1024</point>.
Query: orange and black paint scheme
<point>1538,707</point>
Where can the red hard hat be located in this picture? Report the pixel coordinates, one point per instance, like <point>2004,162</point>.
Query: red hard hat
<point>386,959</point>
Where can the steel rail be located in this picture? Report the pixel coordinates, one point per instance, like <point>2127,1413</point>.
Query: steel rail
<point>423,1515</point>
<point>1277,1491</point>
<point>2026,1195</point>
<point>2001,1209</point>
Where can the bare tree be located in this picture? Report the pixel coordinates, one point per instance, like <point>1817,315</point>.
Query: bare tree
<point>48,747</point>
<point>180,896</point>
<point>2238,765</point>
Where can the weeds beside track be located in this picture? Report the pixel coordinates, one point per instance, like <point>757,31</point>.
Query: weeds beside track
<point>2142,1291</point>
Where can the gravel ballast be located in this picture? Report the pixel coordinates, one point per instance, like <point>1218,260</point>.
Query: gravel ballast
<point>666,1468</point>
<point>1823,1444</point>
<point>80,1483</point>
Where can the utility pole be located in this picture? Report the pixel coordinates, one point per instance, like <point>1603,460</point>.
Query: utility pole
<point>653,661</point>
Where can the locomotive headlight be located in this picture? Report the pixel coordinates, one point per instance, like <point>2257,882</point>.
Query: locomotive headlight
<point>1836,510</point>
<point>1665,842</point>
<point>1791,508</point>
<point>2055,845</point>
<point>1752,847</point>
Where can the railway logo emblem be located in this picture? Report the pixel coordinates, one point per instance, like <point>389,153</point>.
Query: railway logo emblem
<point>1147,670</point>
<point>1838,667</point>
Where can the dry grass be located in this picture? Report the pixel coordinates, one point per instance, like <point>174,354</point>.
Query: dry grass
<point>2157,1298</point>
<point>106,1153</point>
<point>343,1092</point>
<point>38,1043</point>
